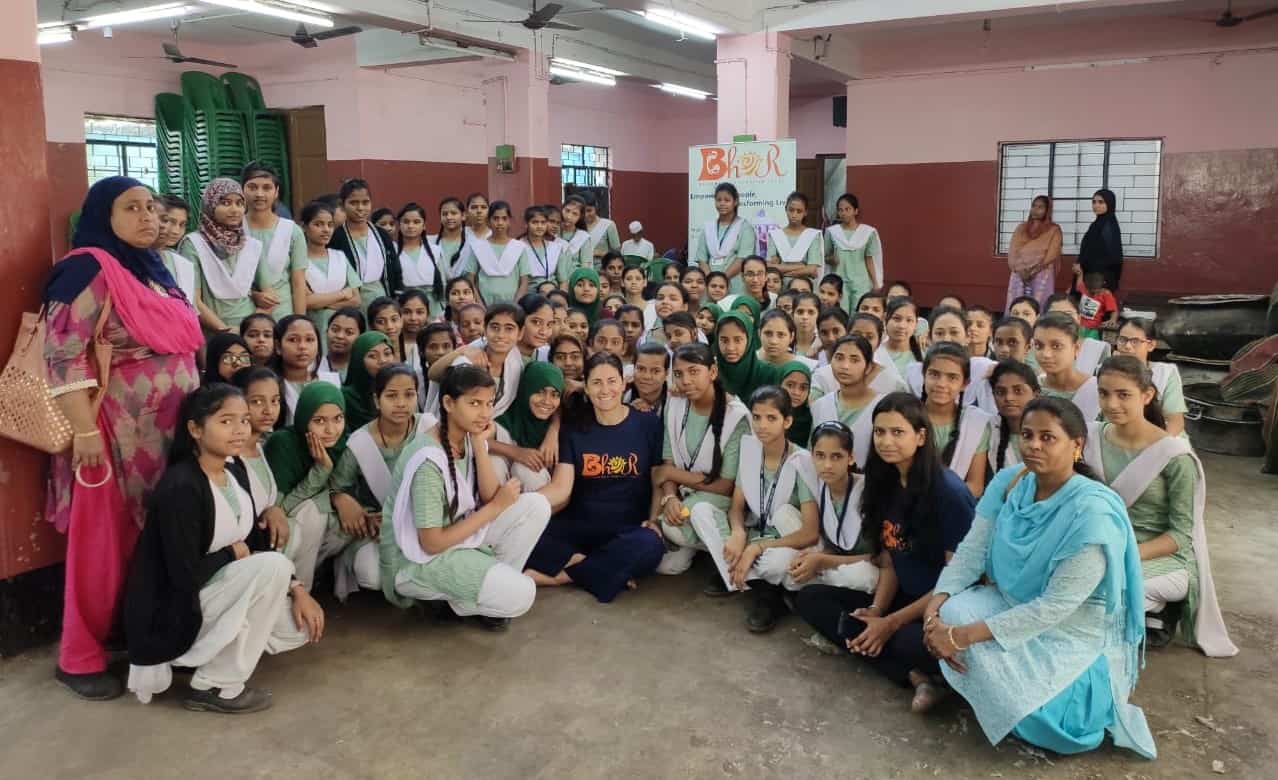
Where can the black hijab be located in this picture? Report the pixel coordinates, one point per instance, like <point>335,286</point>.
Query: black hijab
<point>1102,248</point>
<point>94,230</point>
<point>217,346</point>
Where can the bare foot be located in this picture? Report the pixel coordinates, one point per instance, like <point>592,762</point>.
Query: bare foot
<point>543,580</point>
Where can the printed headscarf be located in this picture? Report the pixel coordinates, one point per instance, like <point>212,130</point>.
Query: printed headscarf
<point>224,240</point>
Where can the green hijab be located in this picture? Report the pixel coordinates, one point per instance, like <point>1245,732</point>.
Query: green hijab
<point>749,373</point>
<point>591,310</point>
<point>358,387</point>
<point>801,430</point>
<point>287,452</point>
<point>524,427</point>
<point>756,308</point>
<point>657,268</point>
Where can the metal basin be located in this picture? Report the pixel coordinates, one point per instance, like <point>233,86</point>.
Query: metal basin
<point>1216,425</point>
<point>1213,326</point>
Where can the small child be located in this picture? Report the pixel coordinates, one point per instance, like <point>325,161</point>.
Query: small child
<point>1096,305</point>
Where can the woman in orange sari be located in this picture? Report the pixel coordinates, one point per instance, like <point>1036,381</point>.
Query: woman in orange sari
<point>1034,254</point>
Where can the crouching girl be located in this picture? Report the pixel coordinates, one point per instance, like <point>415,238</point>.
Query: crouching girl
<point>205,590</point>
<point>456,534</point>
<point>772,515</point>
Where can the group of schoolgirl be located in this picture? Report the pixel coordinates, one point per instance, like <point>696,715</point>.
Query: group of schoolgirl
<point>824,461</point>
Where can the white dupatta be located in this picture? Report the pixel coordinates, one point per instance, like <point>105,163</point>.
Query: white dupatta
<point>796,252</point>
<point>856,242</point>
<point>971,430</point>
<point>1131,483</point>
<point>1012,456</point>
<point>225,284</point>
<point>330,279</point>
<point>721,250</point>
<point>598,232</point>
<point>264,493</point>
<point>404,524</point>
<point>847,537</point>
<point>797,465</point>
<point>371,464</point>
<point>420,272</point>
<point>370,264</point>
<point>183,273</point>
<point>278,251</point>
<point>826,409</point>
<point>1091,352</point>
<point>490,262</point>
<point>677,411</point>
<point>545,270</point>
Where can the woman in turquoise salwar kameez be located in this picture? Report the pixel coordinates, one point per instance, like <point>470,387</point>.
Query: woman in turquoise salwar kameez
<point>1050,649</point>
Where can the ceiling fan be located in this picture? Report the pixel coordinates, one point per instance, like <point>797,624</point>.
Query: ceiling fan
<point>1228,19</point>
<point>173,54</point>
<point>539,19</point>
<point>306,39</point>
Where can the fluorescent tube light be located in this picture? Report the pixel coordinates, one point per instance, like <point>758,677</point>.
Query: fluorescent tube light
<point>687,25</point>
<point>580,75</point>
<point>1084,65</point>
<point>675,89</point>
<point>146,14</point>
<point>53,35</point>
<point>585,66</point>
<point>254,7</point>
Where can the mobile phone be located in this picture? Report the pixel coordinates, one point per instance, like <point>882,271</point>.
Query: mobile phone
<point>849,627</point>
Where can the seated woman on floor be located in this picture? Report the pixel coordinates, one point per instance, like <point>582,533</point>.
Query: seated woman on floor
<point>455,533</point>
<point>516,446</point>
<point>914,514</point>
<point>601,490</point>
<point>1050,649</point>
<point>1161,481</point>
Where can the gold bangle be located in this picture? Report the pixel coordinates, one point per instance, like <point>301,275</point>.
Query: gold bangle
<point>955,643</point>
<point>88,435</point>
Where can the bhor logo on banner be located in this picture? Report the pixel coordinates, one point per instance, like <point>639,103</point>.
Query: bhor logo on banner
<point>763,173</point>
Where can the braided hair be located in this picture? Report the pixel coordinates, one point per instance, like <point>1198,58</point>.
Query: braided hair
<point>957,353</point>
<point>458,380</point>
<point>701,355</point>
<point>437,283</point>
<point>1026,375</point>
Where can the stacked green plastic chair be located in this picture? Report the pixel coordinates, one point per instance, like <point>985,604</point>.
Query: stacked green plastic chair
<point>214,131</point>
<point>266,134</point>
<point>168,137</point>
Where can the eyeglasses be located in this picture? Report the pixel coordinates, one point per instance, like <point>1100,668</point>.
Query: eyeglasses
<point>237,360</point>
<point>1125,341</point>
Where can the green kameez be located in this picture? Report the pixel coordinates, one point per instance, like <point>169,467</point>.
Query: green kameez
<point>850,264</point>
<point>230,311</point>
<point>745,247</point>
<point>321,316</point>
<point>281,283</point>
<point>696,430</point>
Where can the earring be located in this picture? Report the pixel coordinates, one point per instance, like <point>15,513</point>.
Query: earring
<point>1078,455</point>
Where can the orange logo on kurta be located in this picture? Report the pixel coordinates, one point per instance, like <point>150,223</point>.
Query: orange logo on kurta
<point>605,465</point>
<point>891,536</point>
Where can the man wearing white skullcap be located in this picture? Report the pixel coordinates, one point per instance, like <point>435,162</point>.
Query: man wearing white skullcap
<point>637,245</point>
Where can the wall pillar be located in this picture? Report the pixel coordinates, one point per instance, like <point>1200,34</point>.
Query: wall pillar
<point>753,86</point>
<point>517,112</point>
<point>30,593</point>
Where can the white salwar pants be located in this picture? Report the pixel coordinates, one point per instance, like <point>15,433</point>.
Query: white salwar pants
<point>532,481</point>
<point>772,565</point>
<point>307,528</point>
<point>1166,589</point>
<point>246,612</point>
<point>506,591</point>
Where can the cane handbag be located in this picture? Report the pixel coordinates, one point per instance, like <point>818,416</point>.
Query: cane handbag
<point>29,411</point>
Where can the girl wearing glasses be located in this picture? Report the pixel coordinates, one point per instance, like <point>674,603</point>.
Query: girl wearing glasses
<point>226,354</point>
<point>1136,337</point>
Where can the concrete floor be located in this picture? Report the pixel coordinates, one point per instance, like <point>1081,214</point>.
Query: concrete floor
<point>663,683</point>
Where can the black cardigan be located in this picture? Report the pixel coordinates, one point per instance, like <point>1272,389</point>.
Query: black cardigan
<point>162,614</point>
<point>392,274</point>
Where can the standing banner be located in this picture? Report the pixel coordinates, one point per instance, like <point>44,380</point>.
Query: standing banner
<point>764,173</point>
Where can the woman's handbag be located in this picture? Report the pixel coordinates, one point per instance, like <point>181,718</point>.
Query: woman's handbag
<point>29,411</point>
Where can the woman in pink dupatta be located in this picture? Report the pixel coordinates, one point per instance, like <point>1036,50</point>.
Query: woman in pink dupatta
<point>97,489</point>
<point>1034,255</point>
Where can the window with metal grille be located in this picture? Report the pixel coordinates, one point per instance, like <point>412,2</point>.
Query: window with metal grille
<point>121,146</point>
<point>585,166</point>
<point>1069,172</point>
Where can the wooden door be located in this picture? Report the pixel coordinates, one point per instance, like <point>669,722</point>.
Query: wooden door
<point>307,155</point>
<point>810,180</point>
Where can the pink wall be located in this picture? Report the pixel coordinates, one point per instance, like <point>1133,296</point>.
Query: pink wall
<point>1195,104</point>
<point>646,129</point>
<point>812,125</point>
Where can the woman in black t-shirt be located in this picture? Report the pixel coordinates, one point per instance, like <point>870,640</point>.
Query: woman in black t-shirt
<point>915,512</point>
<point>601,490</point>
